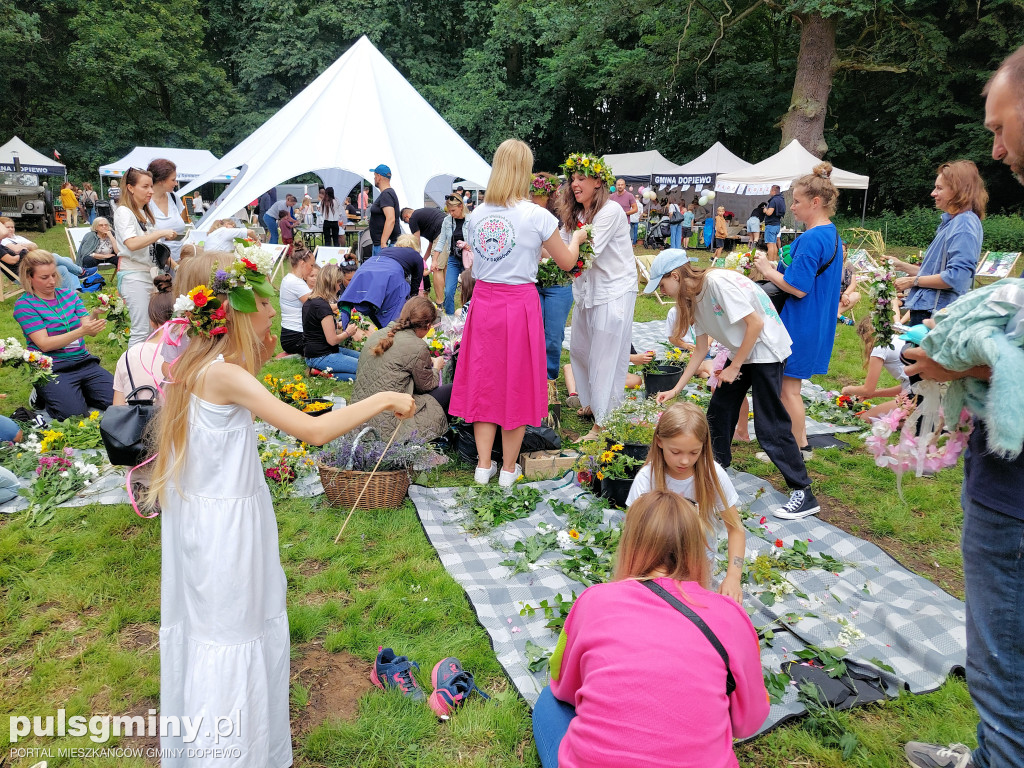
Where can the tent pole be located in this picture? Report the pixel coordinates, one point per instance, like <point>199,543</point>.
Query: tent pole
<point>864,210</point>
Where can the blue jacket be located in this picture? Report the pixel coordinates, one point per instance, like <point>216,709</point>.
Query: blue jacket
<point>444,244</point>
<point>953,254</point>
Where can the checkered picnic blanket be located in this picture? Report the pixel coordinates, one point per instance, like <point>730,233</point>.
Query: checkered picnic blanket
<point>908,623</point>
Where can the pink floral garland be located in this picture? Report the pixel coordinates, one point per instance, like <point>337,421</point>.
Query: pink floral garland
<point>926,453</point>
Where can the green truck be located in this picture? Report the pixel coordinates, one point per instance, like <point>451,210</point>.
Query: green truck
<point>23,199</point>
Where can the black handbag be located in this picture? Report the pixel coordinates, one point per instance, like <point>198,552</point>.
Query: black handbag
<point>676,217</point>
<point>123,427</point>
<point>779,296</point>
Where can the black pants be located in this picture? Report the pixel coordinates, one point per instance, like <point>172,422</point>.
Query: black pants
<point>443,395</point>
<point>331,230</point>
<point>81,385</point>
<point>771,420</point>
<point>292,342</point>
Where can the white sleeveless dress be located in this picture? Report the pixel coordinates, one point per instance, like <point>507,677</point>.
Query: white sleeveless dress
<point>224,645</point>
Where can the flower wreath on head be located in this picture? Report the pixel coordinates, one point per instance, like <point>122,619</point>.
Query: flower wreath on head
<point>241,282</point>
<point>588,165</point>
<point>541,186</point>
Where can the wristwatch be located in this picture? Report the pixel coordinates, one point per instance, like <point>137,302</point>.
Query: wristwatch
<point>916,278</point>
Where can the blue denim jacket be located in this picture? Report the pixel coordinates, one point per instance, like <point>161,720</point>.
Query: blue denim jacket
<point>443,244</point>
<point>953,254</point>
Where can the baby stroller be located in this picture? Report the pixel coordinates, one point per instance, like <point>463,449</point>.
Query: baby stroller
<point>657,234</point>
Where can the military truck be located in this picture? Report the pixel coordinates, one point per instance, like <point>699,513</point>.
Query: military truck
<point>22,199</point>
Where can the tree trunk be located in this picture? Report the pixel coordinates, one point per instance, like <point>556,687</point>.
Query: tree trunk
<point>815,65</point>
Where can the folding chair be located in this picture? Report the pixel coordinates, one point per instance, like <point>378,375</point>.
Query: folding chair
<point>75,236</point>
<point>645,277</point>
<point>7,276</point>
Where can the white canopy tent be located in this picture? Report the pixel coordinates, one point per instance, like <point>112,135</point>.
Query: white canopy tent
<point>716,159</point>
<point>191,163</point>
<point>30,160</point>
<point>637,167</point>
<point>358,113</point>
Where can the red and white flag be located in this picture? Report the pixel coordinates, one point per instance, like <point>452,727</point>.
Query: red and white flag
<point>56,154</point>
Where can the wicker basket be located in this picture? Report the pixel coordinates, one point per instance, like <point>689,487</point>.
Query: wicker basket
<point>386,489</point>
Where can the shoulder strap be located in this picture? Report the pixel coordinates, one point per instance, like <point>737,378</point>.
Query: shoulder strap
<point>821,270</point>
<point>660,591</point>
<point>128,368</point>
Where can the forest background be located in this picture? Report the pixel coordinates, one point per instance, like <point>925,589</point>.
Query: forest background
<point>891,88</point>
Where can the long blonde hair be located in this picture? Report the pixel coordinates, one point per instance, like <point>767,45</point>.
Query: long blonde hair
<point>687,419</point>
<point>691,285</point>
<point>327,282</point>
<point>663,532</point>
<point>168,432</point>
<point>511,174</point>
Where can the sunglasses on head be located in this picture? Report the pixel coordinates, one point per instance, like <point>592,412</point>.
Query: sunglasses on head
<point>454,199</point>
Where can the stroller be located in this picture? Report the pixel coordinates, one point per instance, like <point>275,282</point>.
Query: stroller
<point>657,237</point>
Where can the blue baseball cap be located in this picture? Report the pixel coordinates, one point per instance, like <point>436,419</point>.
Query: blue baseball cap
<point>383,170</point>
<point>665,262</point>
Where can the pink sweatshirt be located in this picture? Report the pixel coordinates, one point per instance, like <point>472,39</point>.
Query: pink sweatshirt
<point>648,687</point>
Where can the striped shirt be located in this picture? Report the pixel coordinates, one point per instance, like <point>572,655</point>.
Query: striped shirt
<point>56,316</point>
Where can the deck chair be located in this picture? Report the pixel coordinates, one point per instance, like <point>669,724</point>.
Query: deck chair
<point>10,285</point>
<point>645,277</point>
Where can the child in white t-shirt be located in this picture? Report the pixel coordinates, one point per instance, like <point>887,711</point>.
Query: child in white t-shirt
<point>877,358</point>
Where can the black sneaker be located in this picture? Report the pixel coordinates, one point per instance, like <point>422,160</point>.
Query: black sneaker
<point>936,756</point>
<point>801,504</point>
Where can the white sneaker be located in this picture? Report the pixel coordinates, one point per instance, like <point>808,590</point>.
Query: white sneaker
<point>508,479</point>
<point>483,476</point>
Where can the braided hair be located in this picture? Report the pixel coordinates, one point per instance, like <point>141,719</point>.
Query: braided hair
<point>418,313</point>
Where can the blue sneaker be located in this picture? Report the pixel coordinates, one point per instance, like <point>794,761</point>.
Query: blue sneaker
<point>452,686</point>
<point>390,671</point>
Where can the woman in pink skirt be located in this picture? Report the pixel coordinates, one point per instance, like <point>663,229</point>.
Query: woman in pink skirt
<point>501,378</point>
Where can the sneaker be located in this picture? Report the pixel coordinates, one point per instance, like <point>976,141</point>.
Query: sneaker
<point>483,476</point>
<point>762,456</point>
<point>807,452</point>
<point>508,479</point>
<point>390,671</point>
<point>801,504</point>
<point>936,756</point>
<point>452,686</point>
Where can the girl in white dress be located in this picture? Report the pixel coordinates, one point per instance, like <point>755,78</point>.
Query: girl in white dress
<point>224,648</point>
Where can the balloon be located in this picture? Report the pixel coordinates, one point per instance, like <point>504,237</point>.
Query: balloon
<point>703,200</point>
<point>650,194</point>
<point>710,194</point>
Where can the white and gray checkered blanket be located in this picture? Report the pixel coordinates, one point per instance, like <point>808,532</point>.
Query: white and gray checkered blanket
<point>908,623</point>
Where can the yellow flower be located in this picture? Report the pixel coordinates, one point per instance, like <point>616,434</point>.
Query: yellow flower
<point>600,476</point>
<point>617,447</point>
<point>94,416</point>
<point>573,533</point>
<point>586,162</point>
<point>200,290</point>
<point>262,438</point>
<point>297,377</point>
<point>81,425</point>
<point>607,457</point>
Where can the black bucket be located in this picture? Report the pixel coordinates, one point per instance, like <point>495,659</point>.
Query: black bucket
<point>636,451</point>
<point>616,490</point>
<point>662,381</point>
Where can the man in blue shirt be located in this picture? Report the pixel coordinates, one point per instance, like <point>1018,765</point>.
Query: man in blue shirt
<point>773,213</point>
<point>993,528</point>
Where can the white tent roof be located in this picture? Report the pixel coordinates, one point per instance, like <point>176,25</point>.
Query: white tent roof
<point>783,168</point>
<point>639,163</point>
<point>358,113</point>
<point>717,159</point>
<point>31,161</point>
<point>191,163</point>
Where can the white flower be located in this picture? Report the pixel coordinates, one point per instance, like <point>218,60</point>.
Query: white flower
<point>183,304</point>
<point>564,540</point>
<point>87,469</point>
<point>781,590</point>
<point>262,258</point>
<point>849,634</point>
<point>64,473</point>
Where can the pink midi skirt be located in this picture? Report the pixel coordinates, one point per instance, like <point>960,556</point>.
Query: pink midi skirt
<point>501,376</point>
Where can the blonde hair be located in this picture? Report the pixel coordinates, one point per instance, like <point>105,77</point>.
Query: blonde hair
<point>327,282</point>
<point>967,186</point>
<point>418,313</point>
<point>687,419</point>
<point>691,285</point>
<point>663,535</point>
<point>27,268</point>
<point>168,432</point>
<point>866,331</point>
<point>511,174</point>
<point>220,224</point>
<point>818,183</point>
<point>408,241</point>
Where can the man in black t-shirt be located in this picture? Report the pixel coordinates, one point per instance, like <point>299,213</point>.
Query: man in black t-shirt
<point>773,213</point>
<point>384,228</point>
<point>424,222</point>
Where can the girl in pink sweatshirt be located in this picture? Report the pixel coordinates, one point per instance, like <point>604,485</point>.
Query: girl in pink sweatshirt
<point>633,680</point>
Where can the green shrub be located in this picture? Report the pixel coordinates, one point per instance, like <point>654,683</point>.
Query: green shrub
<point>916,228</point>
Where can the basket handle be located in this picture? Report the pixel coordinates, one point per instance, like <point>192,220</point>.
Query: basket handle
<point>355,444</point>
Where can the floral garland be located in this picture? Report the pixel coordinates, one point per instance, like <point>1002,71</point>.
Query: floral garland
<point>549,274</point>
<point>588,165</point>
<point>241,282</point>
<point>586,258</point>
<point>40,366</point>
<point>881,292</point>
<point>541,186</point>
<point>926,453</point>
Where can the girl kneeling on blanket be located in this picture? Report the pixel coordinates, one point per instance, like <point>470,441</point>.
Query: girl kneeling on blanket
<point>223,624</point>
<point>737,313</point>
<point>681,461</point>
<point>624,631</point>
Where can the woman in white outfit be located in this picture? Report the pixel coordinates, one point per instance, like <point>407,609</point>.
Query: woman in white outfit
<point>166,207</point>
<point>605,294</point>
<point>135,230</point>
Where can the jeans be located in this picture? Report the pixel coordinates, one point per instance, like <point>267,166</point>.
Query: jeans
<point>69,273</point>
<point>9,430</point>
<point>675,235</point>
<point>342,363</point>
<point>9,486</point>
<point>993,553</point>
<point>551,719</point>
<point>271,224</point>
<point>771,420</point>
<point>81,385</point>
<point>451,281</point>
<point>633,228</point>
<point>374,251</point>
<point>555,304</point>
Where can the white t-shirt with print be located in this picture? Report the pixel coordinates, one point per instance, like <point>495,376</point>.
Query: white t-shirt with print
<point>506,242</point>
<point>727,298</point>
<point>643,481</point>
<point>292,290</point>
<point>613,273</point>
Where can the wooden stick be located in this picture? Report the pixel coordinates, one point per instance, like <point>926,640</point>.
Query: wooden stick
<point>367,483</point>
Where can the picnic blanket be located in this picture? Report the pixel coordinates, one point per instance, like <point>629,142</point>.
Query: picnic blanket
<point>897,628</point>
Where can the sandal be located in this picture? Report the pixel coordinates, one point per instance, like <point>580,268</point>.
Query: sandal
<point>586,413</point>
<point>573,401</point>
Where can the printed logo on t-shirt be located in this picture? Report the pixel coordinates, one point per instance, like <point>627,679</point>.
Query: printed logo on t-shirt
<point>493,238</point>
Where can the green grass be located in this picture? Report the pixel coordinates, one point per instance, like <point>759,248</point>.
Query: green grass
<point>80,602</point>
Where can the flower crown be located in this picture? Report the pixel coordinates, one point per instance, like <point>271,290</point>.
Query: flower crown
<point>541,186</point>
<point>588,165</point>
<point>241,282</point>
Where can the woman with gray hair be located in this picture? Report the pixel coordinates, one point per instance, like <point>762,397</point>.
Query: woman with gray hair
<point>99,246</point>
